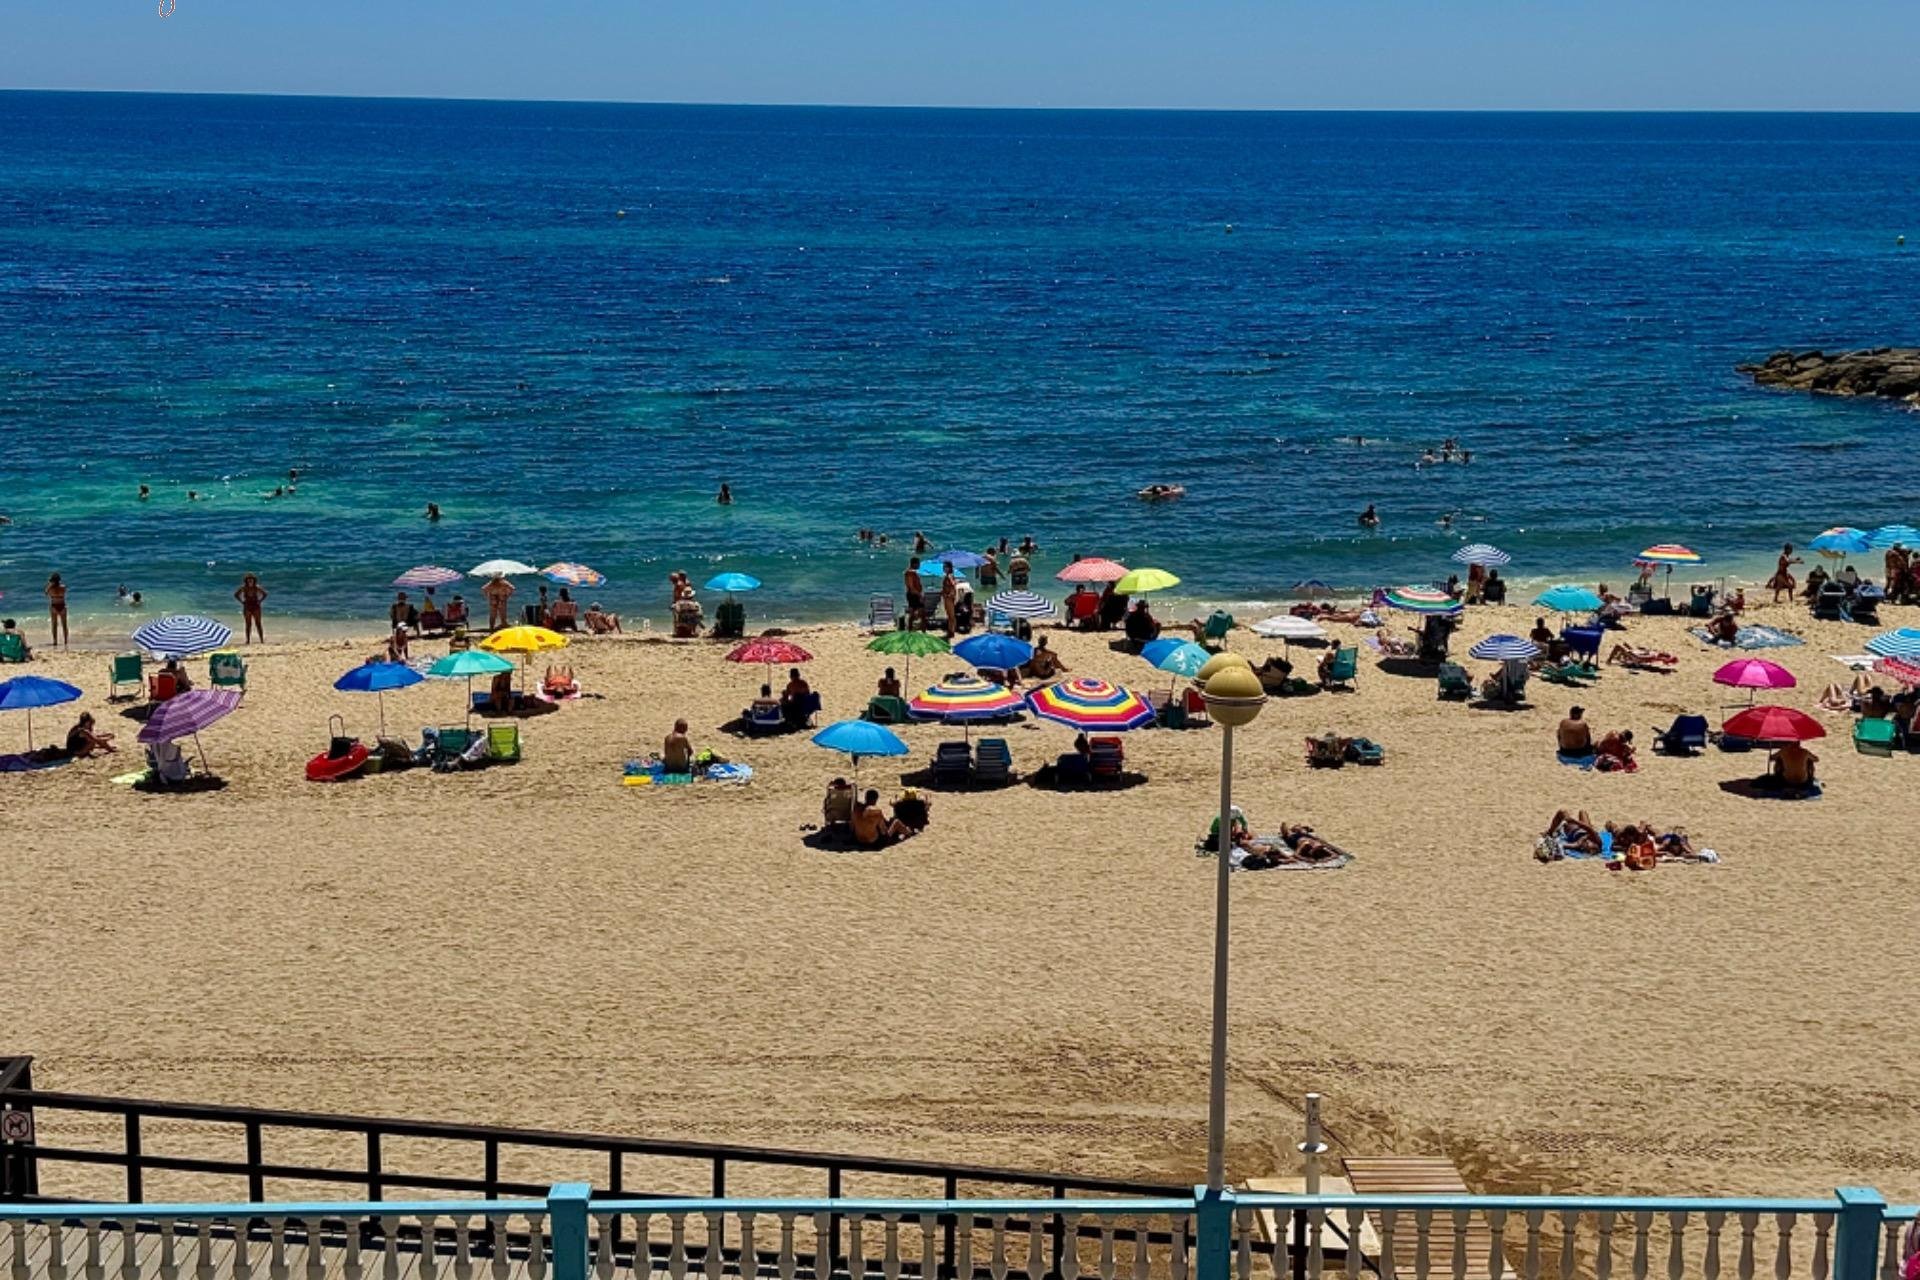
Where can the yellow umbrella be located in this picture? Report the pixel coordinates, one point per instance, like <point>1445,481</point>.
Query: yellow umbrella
<point>524,640</point>
<point>1141,581</point>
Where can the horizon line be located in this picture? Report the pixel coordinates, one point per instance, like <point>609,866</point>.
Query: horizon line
<point>936,106</point>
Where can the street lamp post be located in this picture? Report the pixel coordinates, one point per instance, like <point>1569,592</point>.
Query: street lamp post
<point>1234,697</point>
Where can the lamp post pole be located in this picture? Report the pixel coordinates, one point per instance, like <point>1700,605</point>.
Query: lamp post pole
<point>1217,1075</point>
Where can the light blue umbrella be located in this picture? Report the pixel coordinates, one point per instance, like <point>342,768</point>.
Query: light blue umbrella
<point>1184,659</point>
<point>469,663</point>
<point>958,559</point>
<point>24,693</point>
<point>1888,534</point>
<point>1568,599</point>
<point>1904,643</point>
<point>377,678</point>
<point>731,582</point>
<point>1504,648</point>
<point>1839,541</point>
<point>858,738</point>
<point>1154,650</point>
<point>994,652</point>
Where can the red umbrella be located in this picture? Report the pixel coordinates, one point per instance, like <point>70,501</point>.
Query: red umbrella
<point>1775,724</point>
<point>1093,569</point>
<point>784,652</point>
<point>1900,669</point>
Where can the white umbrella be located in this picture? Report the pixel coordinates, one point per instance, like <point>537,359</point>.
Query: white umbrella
<point>510,568</point>
<point>1288,626</point>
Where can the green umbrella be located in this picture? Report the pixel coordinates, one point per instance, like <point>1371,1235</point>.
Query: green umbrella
<point>910,644</point>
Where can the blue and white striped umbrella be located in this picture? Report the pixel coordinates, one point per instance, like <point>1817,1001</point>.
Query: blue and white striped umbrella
<point>1904,643</point>
<point>1504,648</point>
<point>1888,534</point>
<point>1483,554</point>
<point>181,635</point>
<point>1021,604</point>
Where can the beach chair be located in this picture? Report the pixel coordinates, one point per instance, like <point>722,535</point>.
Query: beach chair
<point>887,710</point>
<point>880,615</point>
<point>503,743</point>
<point>1864,609</point>
<point>1195,705</point>
<point>1583,642</point>
<point>1083,611</point>
<point>1109,758</point>
<point>1366,751</point>
<point>1574,675</point>
<point>227,670</point>
<point>126,670</point>
<point>160,687</point>
<point>1169,708</point>
<point>13,647</point>
<point>459,641</point>
<point>1324,755</point>
<point>761,720</point>
<point>810,705</point>
<point>1874,737</point>
<point>1213,635</point>
<point>1686,736</point>
<point>1346,666</point>
<point>1700,600</point>
<point>993,762</point>
<point>953,763</point>
<point>450,744</point>
<point>1827,606</point>
<point>729,620</point>
<point>1454,681</point>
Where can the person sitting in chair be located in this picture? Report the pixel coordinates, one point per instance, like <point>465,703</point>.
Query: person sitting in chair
<point>837,809</point>
<point>796,699</point>
<point>456,612</point>
<point>599,622</point>
<point>181,681</point>
<point>11,629</point>
<point>889,685</point>
<point>686,617</point>
<point>1142,628</point>
<point>565,614</point>
<point>1076,764</point>
<point>766,706</point>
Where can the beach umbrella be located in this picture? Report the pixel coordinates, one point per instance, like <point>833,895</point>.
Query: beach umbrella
<point>1888,534</point>
<point>1021,604</point>
<point>1839,542</point>
<point>24,693</point>
<point>568,574</point>
<point>1139,582</point>
<point>1093,569</point>
<point>1904,643</point>
<point>1427,600</point>
<point>185,714</point>
<point>1504,648</point>
<point>422,576</point>
<point>1907,673</point>
<point>1668,554</point>
<point>1308,588</point>
<point>508,568</point>
<point>1184,659</point>
<point>1481,553</point>
<point>1287,626</point>
<point>467,664</point>
<point>1088,704</point>
<point>1754,673</point>
<point>1568,599</point>
<point>732,582</point>
<point>770,651</point>
<point>963,698</point>
<point>377,678</point>
<point>1775,724</point>
<point>908,644</point>
<point>995,652</point>
<point>1154,650</point>
<point>525,641</point>
<point>181,635</point>
<point>958,559</point>
<point>858,738</point>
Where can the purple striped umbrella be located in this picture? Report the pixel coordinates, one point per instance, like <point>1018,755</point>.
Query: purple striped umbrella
<point>427,575</point>
<point>186,714</point>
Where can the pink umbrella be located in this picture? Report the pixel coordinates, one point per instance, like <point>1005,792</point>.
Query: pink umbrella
<point>770,651</point>
<point>1754,674</point>
<point>1901,670</point>
<point>1093,569</point>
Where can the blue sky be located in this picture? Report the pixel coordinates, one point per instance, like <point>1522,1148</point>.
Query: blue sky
<point>1547,54</point>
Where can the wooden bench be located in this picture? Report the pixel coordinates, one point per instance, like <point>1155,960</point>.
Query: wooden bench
<point>1423,1176</point>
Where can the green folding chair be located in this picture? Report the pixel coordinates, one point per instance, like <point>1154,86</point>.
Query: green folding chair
<point>13,647</point>
<point>227,670</point>
<point>127,669</point>
<point>503,743</point>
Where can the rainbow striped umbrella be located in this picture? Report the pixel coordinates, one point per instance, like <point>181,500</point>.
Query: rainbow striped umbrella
<point>568,574</point>
<point>1429,600</point>
<point>959,698</point>
<point>1088,704</point>
<point>1668,553</point>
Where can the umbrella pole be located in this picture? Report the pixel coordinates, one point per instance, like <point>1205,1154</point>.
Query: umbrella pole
<point>29,730</point>
<point>205,768</point>
<point>382,695</point>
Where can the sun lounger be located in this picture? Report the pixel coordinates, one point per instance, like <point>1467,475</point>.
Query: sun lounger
<point>13,648</point>
<point>953,763</point>
<point>1686,736</point>
<point>227,670</point>
<point>503,743</point>
<point>1577,675</point>
<point>1454,681</point>
<point>993,763</point>
<point>880,615</point>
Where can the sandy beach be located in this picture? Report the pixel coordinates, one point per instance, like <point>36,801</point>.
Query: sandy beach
<point>1025,984</point>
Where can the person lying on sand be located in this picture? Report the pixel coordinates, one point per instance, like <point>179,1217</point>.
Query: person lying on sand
<point>1574,831</point>
<point>1633,655</point>
<point>1305,845</point>
<point>559,683</point>
<point>597,621</point>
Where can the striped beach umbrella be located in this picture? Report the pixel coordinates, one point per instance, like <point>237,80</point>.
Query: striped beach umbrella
<point>1668,553</point>
<point>422,576</point>
<point>1021,604</point>
<point>1093,569</point>
<point>1839,542</point>
<point>1888,534</point>
<point>960,698</point>
<point>181,635</point>
<point>1311,587</point>
<point>185,714</point>
<point>1482,553</point>
<point>1904,643</point>
<point>1428,600</point>
<point>568,574</point>
<point>1907,673</point>
<point>1504,648</point>
<point>1091,705</point>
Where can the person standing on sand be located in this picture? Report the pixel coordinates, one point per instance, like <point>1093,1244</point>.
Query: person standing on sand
<point>1898,567</point>
<point>56,594</point>
<point>498,592</point>
<point>251,596</point>
<point>949,595</point>
<point>1782,579</point>
<point>916,595</point>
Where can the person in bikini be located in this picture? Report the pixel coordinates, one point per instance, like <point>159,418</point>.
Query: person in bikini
<point>56,594</point>
<point>251,596</point>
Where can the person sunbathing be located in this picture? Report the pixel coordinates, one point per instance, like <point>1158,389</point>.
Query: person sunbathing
<point>1389,647</point>
<point>500,693</point>
<point>1238,832</point>
<point>1329,746</point>
<point>766,705</point>
<point>1542,634</point>
<point>1614,752</point>
<point>1724,628</point>
<point>873,829</point>
<point>1304,844</point>
<point>456,612</point>
<point>598,621</point>
<point>1274,673</point>
<point>1575,735</point>
<point>676,753</point>
<point>1633,655</point>
<point>559,683</point>
<point>181,680</point>
<point>397,645</point>
<point>1574,831</point>
<point>1792,767</point>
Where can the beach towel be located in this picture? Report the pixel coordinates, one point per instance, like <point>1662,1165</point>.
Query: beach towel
<point>1239,859</point>
<point>30,762</point>
<point>1855,661</point>
<point>1751,637</point>
<point>1578,762</point>
<point>133,779</point>
<point>651,772</point>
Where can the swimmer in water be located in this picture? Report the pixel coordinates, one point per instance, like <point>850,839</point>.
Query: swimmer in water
<point>293,475</point>
<point>725,497</point>
<point>1445,521</point>
<point>145,493</point>
<point>433,511</point>
<point>1369,519</point>
<point>193,495</point>
<point>919,542</point>
<point>1466,455</point>
<point>279,491</point>
<point>1428,457</point>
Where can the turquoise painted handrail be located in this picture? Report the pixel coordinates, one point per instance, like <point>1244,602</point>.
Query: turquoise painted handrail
<point>49,1211</point>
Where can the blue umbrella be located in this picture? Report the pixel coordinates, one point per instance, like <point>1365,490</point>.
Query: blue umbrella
<point>1839,541</point>
<point>1888,534</point>
<point>1904,643</point>
<point>958,559</point>
<point>1310,587</point>
<point>1482,554</point>
<point>24,693</point>
<point>860,738</point>
<point>1154,650</point>
<point>995,652</point>
<point>181,635</point>
<point>377,678</point>
<point>1504,648</point>
<point>1184,659</point>
<point>733,582</point>
<point>1568,599</point>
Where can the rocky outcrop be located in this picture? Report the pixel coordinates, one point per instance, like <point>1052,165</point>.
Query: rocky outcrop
<point>1890,373</point>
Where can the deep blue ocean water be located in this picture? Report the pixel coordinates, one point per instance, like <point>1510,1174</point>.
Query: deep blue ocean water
<point>971,323</point>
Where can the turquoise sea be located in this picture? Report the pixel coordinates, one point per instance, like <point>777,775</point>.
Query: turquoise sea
<point>971,323</point>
